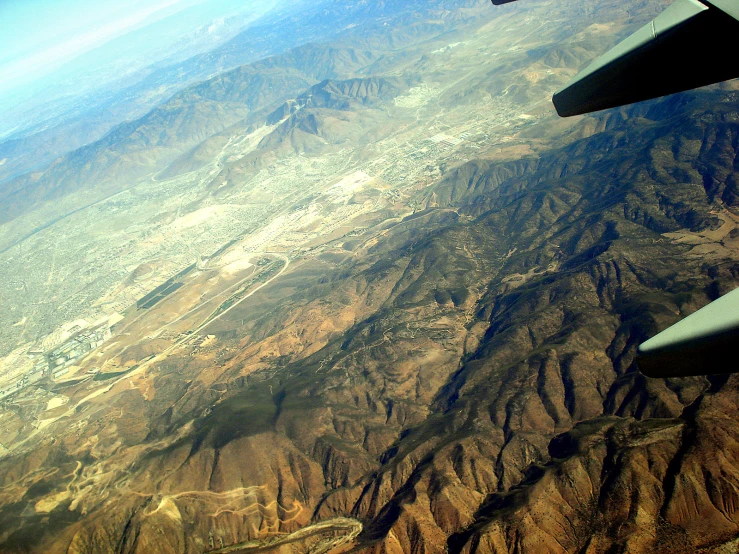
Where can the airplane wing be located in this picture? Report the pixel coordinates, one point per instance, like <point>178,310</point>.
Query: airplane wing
<point>691,44</point>
<point>703,343</point>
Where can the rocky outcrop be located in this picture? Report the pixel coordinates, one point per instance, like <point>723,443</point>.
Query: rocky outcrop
<point>465,384</point>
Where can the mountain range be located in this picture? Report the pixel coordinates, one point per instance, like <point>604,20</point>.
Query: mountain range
<point>419,335</point>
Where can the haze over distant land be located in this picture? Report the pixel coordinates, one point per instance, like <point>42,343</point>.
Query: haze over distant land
<point>335,278</point>
<point>62,50</point>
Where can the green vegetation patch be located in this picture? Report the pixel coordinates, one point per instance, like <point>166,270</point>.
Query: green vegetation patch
<point>112,374</point>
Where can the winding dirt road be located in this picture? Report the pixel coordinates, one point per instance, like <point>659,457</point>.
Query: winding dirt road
<point>350,529</point>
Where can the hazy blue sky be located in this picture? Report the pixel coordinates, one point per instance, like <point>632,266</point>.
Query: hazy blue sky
<point>38,37</point>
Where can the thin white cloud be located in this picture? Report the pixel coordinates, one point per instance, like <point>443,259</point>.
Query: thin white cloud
<point>42,61</point>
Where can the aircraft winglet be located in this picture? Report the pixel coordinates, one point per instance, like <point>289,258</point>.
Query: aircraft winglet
<point>689,45</point>
<point>703,343</point>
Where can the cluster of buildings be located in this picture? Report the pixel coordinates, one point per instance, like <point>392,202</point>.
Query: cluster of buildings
<point>56,361</point>
<point>73,342</point>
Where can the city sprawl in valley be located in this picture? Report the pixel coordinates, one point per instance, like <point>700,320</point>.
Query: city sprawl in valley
<point>344,282</point>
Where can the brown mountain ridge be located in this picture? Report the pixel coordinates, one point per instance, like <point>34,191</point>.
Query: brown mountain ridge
<point>465,384</point>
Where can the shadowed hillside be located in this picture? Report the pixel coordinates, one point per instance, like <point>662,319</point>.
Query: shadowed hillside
<point>381,311</point>
<point>469,380</point>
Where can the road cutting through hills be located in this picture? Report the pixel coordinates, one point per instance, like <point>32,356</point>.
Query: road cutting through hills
<point>211,318</point>
<point>351,527</point>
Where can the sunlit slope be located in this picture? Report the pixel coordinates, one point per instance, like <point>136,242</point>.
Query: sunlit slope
<point>394,310</point>
<point>136,149</point>
<point>370,46</point>
<point>107,197</point>
<point>60,119</point>
<point>462,376</point>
